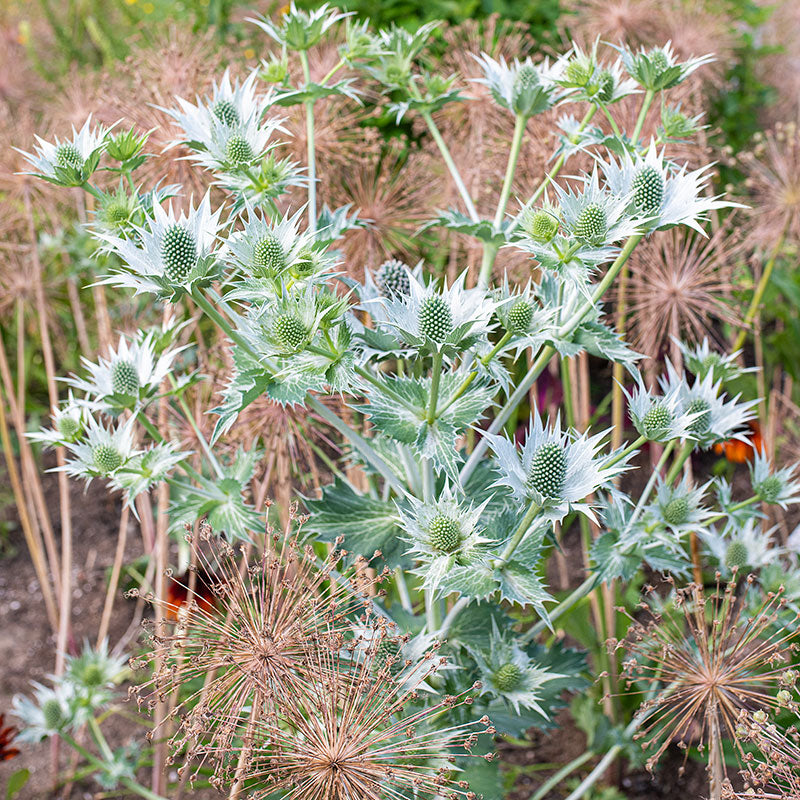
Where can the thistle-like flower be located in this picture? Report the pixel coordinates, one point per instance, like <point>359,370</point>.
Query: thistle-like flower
<point>69,423</point>
<point>742,546</point>
<point>658,68</point>
<point>701,359</point>
<point>301,29</point>
<point>361,733</point>
<point>778,487</point>
<point>170,254</point>
<point>714,419</point>
<point>70,162</point>
<point>679,508</point>
<point>509,674</point>
<point>595,82</point>
<point>254,642</point>
<point>555,469</point>
<point>522,315</point>
<point>660,418</point>
<point>445,537</point>
<point>52,710</point>
<point>522,87</point>
<point>448,320</point>
<point>703,660</point>
<point>129,376</point>
<point>662,195</point>
<point>101,451</point>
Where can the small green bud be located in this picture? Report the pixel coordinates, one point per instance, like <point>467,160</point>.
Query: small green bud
<point>225,111</point>
<point>579,71</point>
<point>605,86</point>
<point>116,213</point>
<point>736,556</point>
<point>676,512</point>
<point>784,697</point>
<point>702,423</point>
<point>306,264</point>
<point>444,534</point>
<point>124,377</point>
<point>770,488</point>
<point>435,319</point>
<point>656,422</point>
<point>507,678</point>
<point>179,253</point>
<point>290,331</point>
<point>67,155</point>
<point>541,226</point>
<point>393,279</point>
<point>92,676</point>
<point>658,60</point>
<point>106,458</point>
<point>520,316</point>
<point>591,225</point>
<point>238,150</point>
<point>268,257</point>
<point>69,427</point>
<point>275,72</point>
<point>648,190</point>
<point>53,714</point>
<point>125,145</point>
<point>548,470</point>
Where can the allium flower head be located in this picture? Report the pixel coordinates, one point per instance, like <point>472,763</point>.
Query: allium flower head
<point>714,418</point>
<point>555,469</point>
<point>659,68</point>
<point>702,660</point>
<point>778,487</point>
<point>661,194</point>
<point>743,546</point>
<point>508,673</point>
<point>70,162</point>
<point>522,87</point>
<point>360,734</point>
<point>128,376</point>
<point>445,536</point>
<point>255,643</point>
<point>170,254</point>
<point>661,418</point>
<point>679,507</point>
<point>446,320</point>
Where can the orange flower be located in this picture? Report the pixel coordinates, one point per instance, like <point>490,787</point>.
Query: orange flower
<point>738,452</point>
<point>7,736</point>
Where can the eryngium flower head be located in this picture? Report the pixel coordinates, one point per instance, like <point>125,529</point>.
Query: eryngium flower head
<point>170,254</point>
<point>362,732</point>
<point>659,68</point>
<point>704,659</point>
<point>659,418</point>
<point>555,469</point>
<point>300,29</point>
<point>700,359</point>
<point>70,162</point>
<point>679,507</point>
<point>252,644</point>
<point>101,452</point>
<point>522,87</point>
<point>778,487</point>
<point>742,546</point>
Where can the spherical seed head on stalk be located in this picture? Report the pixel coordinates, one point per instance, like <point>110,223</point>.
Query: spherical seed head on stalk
<point>290,331</point>
<point>435,318</point>
<point>507,678</point>
<point>179,253</point>
<point>591,225</point>
<point>676,511</point>
<point>520,316</point>
<point>238,150</point>
<point>549,470</point>
<point>444,534</point>
<point>648,189</point>
<point>268,257</point>
<point>252,642</point>
<point>541,226</point>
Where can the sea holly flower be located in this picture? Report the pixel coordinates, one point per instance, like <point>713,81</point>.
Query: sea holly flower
<point>265,180</point>
<point>522,87</point>
<point>676,126</point>
<point>509,674</point>
<point>446,320</point>
<point>554,469</point>
<point>700,359</point>
<point>659,418</point>
<point>144,470</point>
<point>69,423</point>
<point>102,451</point>
<point>522,315</point>
<point>658,68</point>
<point>445,538</point>
<point>661,194</point>
<point>300,29</point>
<point>129,376</point>
<point>776,488</point>
<point>51,711</point>
<point>93,674</point>
<point>169,254</point>
<point>270,253</point>
<point>679,508</point>
<point>392,54</point>
<point>116,210</point>
<point>714,419</point>
<point>70,162</point>
<point>743,546</point>
<point>596,82</point>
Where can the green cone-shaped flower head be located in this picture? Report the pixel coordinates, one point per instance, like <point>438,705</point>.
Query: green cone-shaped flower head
<point>53,714</point>
<point>225,111</point>
<point>106,458</point>
<point>542,226</point>
<point>69,427</point>
<point>676,512</point>
<point>392,279</point>
<point>605,86</point>
<point>736,555</point>
<point>179,253</point>
<point>592,224</point>
<point>67,155</point>
<point>579,71</point>
<point>520,316</point>
<point>435,319</point>
<point>702,423</point>
<point>770,488</point>
<point>238,150</point>
<point>656,422</point>
<point>290,331</point>
<point>124,377</point>
<point>648,189</point>
<point>444,534</point>
<point>548,470</point>
<point>268,257</point>
<point>507,677</point>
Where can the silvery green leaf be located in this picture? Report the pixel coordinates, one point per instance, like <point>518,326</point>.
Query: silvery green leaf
<point>611,562</point>
<point>473,627</point>
<point>520,584</point>
<point>476,581</point>
<point>367,524</point>
<point>460,223</point>
<point>599,340</point>
<point>437,442</point>
<point>332,224</point>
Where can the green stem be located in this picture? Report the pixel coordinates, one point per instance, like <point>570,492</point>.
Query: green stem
<point>436,377</point>
<point>221,322</point>
<point>586,588</point>
<point>333,71</point>
<point>559,163</point>
<point>385,388</point>
<point>646,103</point>
<point>518,536</point>
<point>402,590</point>
<point>627,451</point>
<point>755,303</point>
<point>451,165</point>
<point>209,453</point>
<point>679,462</point>
<point>559,776</point>
<point>311,150</point>
<point>100,740</point>
<point>459,606</point>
